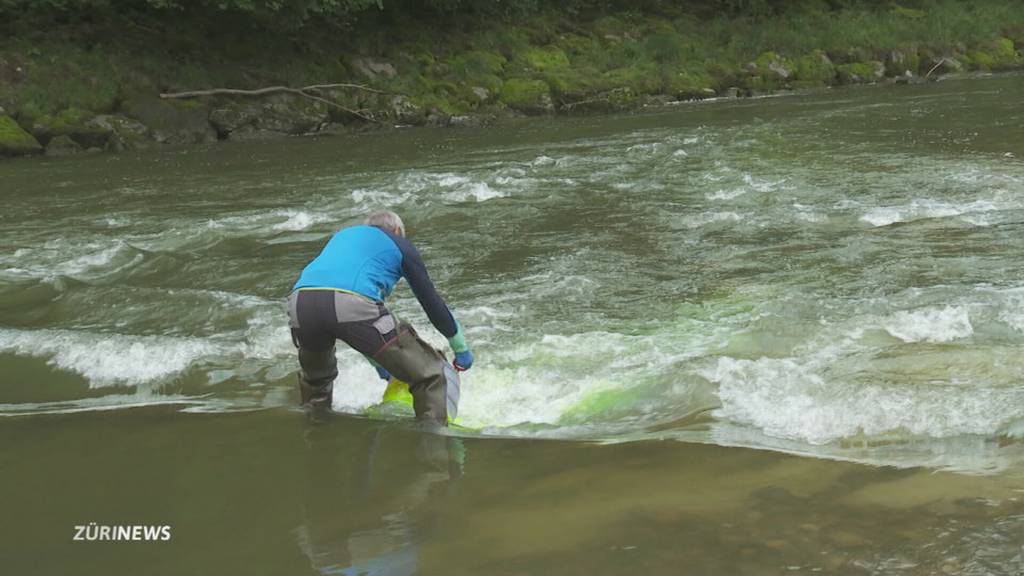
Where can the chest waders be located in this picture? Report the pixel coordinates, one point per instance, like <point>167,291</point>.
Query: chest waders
<point>320,317</point>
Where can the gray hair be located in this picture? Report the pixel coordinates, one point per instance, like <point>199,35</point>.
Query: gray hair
<point>387,220</point>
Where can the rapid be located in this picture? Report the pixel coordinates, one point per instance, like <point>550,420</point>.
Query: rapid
<point>835,275</point>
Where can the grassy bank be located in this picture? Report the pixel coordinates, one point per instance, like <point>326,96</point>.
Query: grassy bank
<point>56,76</point>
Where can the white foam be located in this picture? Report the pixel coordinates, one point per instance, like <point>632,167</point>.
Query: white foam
<point>108,359</point>
<point>930,324</point>
<point>921,209</point>
<point>724,194</point>
<point>760,184</point>
<point>296,220</point>
<point>76,258</point>
<point>481,191</point>
<point>791,398</point>
<point>706,218</point>
<point>423,187</point>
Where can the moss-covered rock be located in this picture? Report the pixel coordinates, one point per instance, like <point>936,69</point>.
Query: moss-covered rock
<point>643,79</point>
<point>998,54</point>
<point>526,95</point>
<point>773,66</point>
<point>768,73</point>
<point>860,72</point>
<point>689,85</point>
<point>14,140</point>
<point>543,58</point>
<point>71,122</point>
<point>816,67</point>
<point>477,63</point>
<point>122,133</point>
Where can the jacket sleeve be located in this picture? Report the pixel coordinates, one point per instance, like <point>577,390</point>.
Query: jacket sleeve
<point>415,272</point>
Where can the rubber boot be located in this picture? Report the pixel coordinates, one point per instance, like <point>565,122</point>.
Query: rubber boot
<point>316,379</point>
<point>316,397</point>
<point>433,383</point>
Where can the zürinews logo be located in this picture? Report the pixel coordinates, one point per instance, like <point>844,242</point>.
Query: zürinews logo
<point>93,532</point>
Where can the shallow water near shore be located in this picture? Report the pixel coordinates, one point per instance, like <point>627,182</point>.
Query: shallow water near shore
<point>748,337</point>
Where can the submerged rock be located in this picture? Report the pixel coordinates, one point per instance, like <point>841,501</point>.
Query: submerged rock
<point>14,140</point>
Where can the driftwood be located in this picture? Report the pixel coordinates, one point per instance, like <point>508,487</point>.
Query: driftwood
<point>304,92</point>
<point>934,68</point>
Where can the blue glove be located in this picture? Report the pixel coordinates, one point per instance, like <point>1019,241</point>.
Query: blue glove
<point>463,360</point>
<point>384,374</point>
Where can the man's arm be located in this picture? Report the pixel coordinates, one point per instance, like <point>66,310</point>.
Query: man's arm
<point>415,272</point>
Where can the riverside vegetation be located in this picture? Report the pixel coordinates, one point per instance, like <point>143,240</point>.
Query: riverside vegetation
<point>80,75</point>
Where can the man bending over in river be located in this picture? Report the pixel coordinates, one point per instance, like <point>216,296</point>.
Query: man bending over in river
<point>340,296</point>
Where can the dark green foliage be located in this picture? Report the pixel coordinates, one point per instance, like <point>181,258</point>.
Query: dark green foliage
<point>469,55</point>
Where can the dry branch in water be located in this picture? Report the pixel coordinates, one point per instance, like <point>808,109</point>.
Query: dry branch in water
<point>304,91</point>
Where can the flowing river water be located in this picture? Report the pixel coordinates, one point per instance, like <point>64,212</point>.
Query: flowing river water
<point>740,337</point>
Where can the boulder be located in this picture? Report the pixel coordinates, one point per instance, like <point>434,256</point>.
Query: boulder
<point>373,68</point>
<point>279,114</point>
<point>14,140</point>
<point>63,146</point>
<point>772,66</point>
<point>122,133</point>
<point>173,121</point>
<point>405,111</point>
<point>73,123</point>
<point>815,67</point>
<point>941,65</point>
<point>769,72</point>
<point>482,94</point>
<point>529,96</point>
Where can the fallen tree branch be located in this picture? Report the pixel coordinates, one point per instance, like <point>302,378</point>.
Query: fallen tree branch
<point>278,89</point>
<point>329,86</point>
<point>939,63</point>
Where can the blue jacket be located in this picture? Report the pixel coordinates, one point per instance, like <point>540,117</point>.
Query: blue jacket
<point>368,260</point>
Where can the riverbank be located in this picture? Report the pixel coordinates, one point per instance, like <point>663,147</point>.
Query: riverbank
<point>67,88</point>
